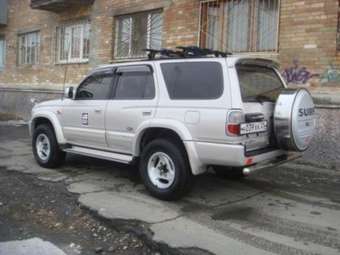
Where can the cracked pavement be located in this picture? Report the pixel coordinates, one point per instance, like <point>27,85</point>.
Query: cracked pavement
<point>291,209</point>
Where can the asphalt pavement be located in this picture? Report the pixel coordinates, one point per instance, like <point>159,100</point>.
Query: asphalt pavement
<point>291,209</point>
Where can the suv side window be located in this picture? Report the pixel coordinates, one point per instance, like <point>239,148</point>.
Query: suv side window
<point>135,82</point>
<point>193,80</point>
<point>96,87</point>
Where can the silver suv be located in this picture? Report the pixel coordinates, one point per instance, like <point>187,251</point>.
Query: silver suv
<point>176,117</point>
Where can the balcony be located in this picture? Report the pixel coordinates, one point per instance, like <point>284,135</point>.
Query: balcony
<point>58,5</point>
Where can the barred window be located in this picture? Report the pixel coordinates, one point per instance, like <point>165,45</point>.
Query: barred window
<point>73,43</point>
<point>136,32</point>
<point>29,47</point>
<point>240,25</point>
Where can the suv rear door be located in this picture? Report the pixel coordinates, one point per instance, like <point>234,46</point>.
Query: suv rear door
<point>259,84</point>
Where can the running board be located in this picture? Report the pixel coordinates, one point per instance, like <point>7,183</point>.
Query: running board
<point>122,158</point>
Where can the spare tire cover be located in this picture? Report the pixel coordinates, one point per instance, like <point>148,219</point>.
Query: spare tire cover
<point>294,119</point>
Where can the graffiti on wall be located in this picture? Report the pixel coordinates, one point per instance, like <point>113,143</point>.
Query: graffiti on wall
<point>297,74</point>
<point>331,74</point>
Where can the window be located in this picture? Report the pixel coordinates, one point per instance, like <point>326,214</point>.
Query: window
<point>136,32</point>
<point>73,43</point>
<point>240,25</point>
<point>2,52</point>
<point>135,84</point>
<point>338,30</point>
<point>96,87</point>
<point>29,46</point>
<point>193,80</point>
<point>258,83</point>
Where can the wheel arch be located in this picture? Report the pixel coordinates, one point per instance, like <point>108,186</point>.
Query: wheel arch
<point>176,132</point>
<point>51,119</point>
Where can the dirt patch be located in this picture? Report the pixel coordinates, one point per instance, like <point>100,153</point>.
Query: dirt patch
<point>33,208</point>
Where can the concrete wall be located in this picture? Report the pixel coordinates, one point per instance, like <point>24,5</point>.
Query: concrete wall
<point>17,104</point>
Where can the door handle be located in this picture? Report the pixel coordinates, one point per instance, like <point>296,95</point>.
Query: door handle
<point>147,113</point>
<point>97,110</point>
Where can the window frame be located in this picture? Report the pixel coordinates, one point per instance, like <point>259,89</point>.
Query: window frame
<point>36,48</point>
<point>275,73</point>
<point>117,77</point>
<point>130,16</point>
<point>202,42</point>
<point>84,24</point>
<point>193,99</point>
<point>101,72</point>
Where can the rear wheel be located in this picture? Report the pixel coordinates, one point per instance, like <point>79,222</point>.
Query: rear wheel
<point>165,170</point>
<point>229,172</point>
<point>45,147</point>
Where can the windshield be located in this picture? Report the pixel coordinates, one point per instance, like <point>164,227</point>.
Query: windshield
<point>258,83</point>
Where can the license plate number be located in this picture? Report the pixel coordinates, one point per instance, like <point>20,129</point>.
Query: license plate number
<point>253,127</point>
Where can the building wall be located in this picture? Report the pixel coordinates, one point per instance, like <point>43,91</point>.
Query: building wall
<point>307,39</point>
<point>308,31</point>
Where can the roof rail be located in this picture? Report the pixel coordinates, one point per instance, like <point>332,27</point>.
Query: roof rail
<point>185,52</point>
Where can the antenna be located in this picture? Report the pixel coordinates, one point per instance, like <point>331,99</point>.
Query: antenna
<point>68,46</point>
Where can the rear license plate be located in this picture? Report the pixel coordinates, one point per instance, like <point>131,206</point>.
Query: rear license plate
<point>253,127</point>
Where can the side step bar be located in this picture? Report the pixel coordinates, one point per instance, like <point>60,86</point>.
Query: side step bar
<point>122,158</point>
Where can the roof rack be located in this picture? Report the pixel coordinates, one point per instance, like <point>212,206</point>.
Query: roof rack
<point>185,52</point>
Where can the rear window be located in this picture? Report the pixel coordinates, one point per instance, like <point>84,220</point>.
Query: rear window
<point>193,80</point>
<point>258,83</point>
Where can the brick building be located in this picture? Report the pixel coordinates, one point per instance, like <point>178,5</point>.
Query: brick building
<point>44,43</point>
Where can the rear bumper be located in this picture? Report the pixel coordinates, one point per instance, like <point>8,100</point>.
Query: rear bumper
<point>271,163</point>
<point>202,154</point>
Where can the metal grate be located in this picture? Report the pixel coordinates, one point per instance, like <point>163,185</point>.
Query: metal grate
<point>29,47</point>
<point>136,32</point>
<point>240,25</point>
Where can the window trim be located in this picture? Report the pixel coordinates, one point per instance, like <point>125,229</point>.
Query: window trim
<point>277,36</point>
<point>69,25</point>
<point>99,72</point>
<point>130,16</point>
<point>117,77</point>
<point>38,48</point>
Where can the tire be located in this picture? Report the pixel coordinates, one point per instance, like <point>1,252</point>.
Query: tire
<point>229,172</point>
<point>170,158</point>
<point>45,135</point>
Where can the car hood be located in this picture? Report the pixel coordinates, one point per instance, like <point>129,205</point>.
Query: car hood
<point>49,103</point>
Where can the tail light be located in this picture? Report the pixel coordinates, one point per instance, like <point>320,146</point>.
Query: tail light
<point>234,119</point>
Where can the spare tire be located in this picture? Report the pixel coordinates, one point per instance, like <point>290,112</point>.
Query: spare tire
<point>294,119</point>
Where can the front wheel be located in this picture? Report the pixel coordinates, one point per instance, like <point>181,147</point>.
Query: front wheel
<point>45,147</point>
<point>165,169</point>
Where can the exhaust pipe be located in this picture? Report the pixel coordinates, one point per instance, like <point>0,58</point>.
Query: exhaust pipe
<point>246,171</point>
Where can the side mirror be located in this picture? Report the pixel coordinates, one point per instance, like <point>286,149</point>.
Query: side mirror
<point>69,92</point>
